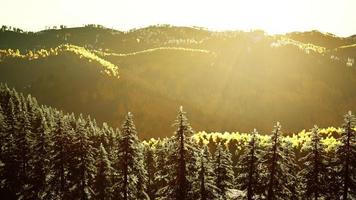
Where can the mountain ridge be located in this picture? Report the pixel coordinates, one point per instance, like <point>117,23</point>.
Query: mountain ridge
<point>226,81</point>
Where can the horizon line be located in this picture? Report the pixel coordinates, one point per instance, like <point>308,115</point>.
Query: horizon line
<point>57,27</point>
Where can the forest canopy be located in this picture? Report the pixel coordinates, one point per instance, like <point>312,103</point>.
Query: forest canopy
<point>46,154</point>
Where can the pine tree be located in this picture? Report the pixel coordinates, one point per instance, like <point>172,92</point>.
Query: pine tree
<point>277,170</point>
<point>333,180</point>
<point>181,134</point>
<point>248,178</point>
<point>291,170</point>
<point>132,175</point>
<point>62,138</point>
<point>8,174</point>
<point>2,128</point>
<point>83,163</point>
<point>10,167</point>
<point>150,167</point>
<point>4,99</point>
<point>182,153</point>
<point>41,160</point>
<point>164,173</point>
<point>5,150</point>
<point>314,168</point>
<point>23,153</point>
<point>32,110</point>
<point>103,180</point>
<point>110,140</point>
<point>193,168</point>
<point>346,157</point>
<point>181,180</point>
<point>224,175</point>
<point>207,189</point>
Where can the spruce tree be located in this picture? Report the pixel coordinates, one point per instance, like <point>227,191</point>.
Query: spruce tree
<point>32,110</point>
<point>182,178</point>
<point>104,176</point>
<point>41,159</point>
<point>130,167</point>
<point>181,134</point>
<point>248,178</point>
<point>291,170</point>
<point>184,151</point>
<point>150,166</point>
<point>207,189</point>
<point>346,157</point>
<point>193,168</point>
<point>3,133</point>
<point>62,139</point>
<point>110,141</point>
<point>24,154</point>
<point>275,163</point>
<point>7,174</point>
<point>83,163</point>
<point>224,174</point>
<point>164,174</point>
<point>2,128</point>
<point>313,171</point>
<point>333,180</point>
<point>10,167</point>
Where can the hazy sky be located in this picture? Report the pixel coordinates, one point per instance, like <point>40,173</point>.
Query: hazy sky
<point>274,16</point>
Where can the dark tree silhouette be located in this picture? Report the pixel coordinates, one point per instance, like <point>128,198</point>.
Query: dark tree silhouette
<point>62,137</point>
<point>248,173</point>
<point>150,166</point>
<point>314,168</point>
<point>346,156</point>
<point>207,189</point>
<point>277,163</point>
<point>224,175</point>
<point>131,183</point>
<point>103,179</point>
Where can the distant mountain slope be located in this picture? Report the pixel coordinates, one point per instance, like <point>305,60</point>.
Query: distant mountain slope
<point>327,40</point>
<point>15,55</point>
<point>67,76</point>
<point>75,83</point>
<point>104,38</point>
<point>226,80</point>
<point>149,37</point>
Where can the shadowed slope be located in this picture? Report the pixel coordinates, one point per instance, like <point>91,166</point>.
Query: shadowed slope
<point>226,80</point>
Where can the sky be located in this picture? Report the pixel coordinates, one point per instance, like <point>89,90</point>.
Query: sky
<point>273,16</point>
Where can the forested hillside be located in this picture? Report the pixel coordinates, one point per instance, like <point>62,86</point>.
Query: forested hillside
<point>227,81</point>
<point>48,154</point>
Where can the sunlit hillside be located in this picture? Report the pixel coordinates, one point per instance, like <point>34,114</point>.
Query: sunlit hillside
<point>228,81</point>
<point>9,55</point>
